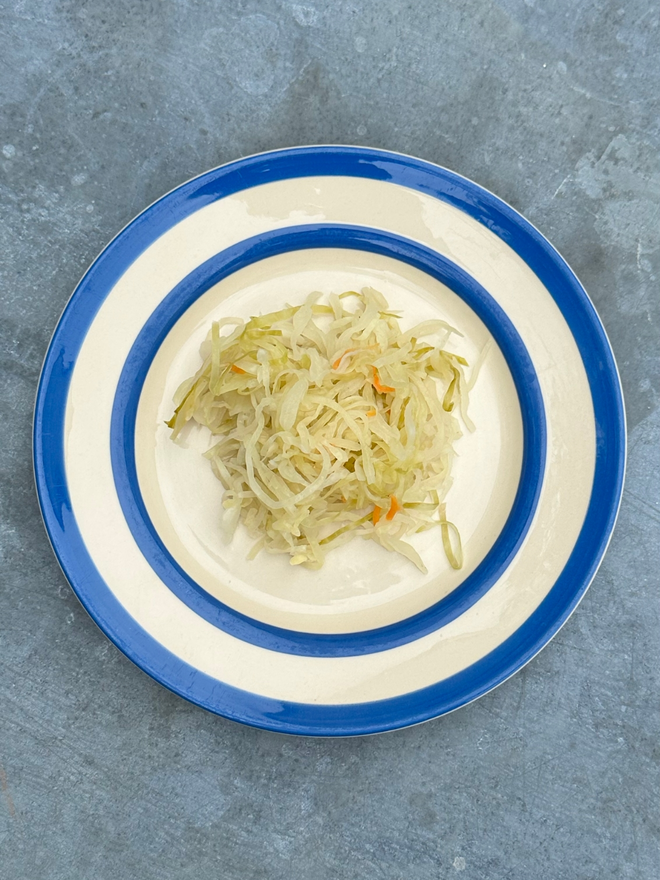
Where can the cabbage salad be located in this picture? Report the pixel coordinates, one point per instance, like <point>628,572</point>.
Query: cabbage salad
<point>329,422</point>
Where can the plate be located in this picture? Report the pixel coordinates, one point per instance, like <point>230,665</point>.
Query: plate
<point>367,643</point>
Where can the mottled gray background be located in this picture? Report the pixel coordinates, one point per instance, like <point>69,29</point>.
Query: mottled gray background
<point>106,106</point>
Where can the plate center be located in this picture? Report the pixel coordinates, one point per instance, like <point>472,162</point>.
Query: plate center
<point>361,586</point>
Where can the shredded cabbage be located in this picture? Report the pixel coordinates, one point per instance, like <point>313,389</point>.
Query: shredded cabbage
<point>330,423</point>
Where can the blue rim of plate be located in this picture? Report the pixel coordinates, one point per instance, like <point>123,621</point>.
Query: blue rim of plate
<point>149,340</point>
<point>356,718</point>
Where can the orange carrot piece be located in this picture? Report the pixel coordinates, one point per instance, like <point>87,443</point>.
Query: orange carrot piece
<point>335,363</point>
<point>376,514</point>
<point>371,412</point>
<point>395,507</point>
<point>236,369</point>
<point>382,389</point>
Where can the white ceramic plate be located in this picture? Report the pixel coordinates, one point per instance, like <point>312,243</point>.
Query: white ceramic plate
<point>368,643</point>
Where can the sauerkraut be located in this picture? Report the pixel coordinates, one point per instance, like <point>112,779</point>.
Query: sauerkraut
<point>330,422</point>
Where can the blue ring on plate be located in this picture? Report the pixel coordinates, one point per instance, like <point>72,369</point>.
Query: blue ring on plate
<point>303,718</point>
<point>149,340</point>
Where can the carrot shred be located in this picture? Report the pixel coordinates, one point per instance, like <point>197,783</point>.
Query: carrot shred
<point>382,389</point>
<point>395,507</point>
<point>337,361</point>
<point>236,369</point>
<point>371,412</point>
<point>376,514</point>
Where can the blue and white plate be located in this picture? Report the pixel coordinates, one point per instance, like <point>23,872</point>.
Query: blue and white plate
<point>368,643</point>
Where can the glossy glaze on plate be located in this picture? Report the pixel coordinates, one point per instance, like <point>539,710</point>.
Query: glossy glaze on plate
<point>368,643</point>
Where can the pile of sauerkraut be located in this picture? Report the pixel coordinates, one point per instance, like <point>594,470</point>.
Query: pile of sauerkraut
<point>329,423</point>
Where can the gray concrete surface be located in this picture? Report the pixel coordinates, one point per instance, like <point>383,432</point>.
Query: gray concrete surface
<point>105,106</point>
